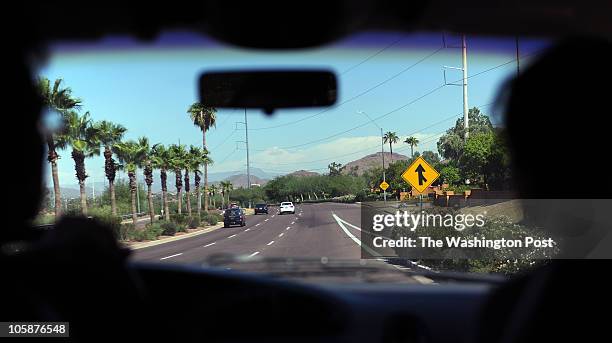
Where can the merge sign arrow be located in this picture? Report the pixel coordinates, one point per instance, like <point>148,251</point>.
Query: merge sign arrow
<point>420,174</point>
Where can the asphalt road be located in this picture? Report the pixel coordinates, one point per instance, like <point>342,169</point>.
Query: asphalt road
<point>312,232</point>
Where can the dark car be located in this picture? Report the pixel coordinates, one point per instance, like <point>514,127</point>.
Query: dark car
<point>261,208</point>
<point>233,216</point>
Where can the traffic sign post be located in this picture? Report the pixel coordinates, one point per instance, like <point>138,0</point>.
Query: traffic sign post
<point>384,185</point>
<point>420,174</point>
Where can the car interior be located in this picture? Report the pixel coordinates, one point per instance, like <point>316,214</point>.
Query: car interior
<point>556,111</point>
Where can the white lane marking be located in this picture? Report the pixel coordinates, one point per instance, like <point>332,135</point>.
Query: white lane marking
<point>253,254</point>
<point>246,230</point>
<point>281,234</point>
<point>163,258</point>
<point>231,236</point>
<point>351,236</point>
<point>207,245</point>
<point>273,215</point>
<point>293,222</point>
<point>271,242</point>
<point>257,224</point>
<point>288,227</point>
<point>266,220</point>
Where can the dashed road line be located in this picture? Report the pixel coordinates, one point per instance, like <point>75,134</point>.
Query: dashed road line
<point>281,234</point>
<point>253,254</point>
<point>207,245</point>
<point>231,236</point>
<point>163,258</point>
<point>246,230</point>
<point>271,242</point>
<point>288,227</point>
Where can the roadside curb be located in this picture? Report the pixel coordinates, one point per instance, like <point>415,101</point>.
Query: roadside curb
<point>136,246</point>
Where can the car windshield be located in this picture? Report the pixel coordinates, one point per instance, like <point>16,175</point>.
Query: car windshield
<point>394,149</point>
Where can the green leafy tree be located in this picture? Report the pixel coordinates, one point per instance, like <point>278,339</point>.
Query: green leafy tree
<point>451,144</point>
<point>60,100</point>
<point>110,134</point>
<point>82,136</point>
<point>204,118</point>
<point>412,141</point>
<point>391,138</point>
<point>450,174</point>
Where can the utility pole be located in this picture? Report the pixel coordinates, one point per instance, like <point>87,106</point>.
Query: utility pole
<point>465,87</point>
<point>246,134</point>
<point>382,152</point>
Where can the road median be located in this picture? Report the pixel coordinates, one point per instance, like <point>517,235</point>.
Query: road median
<point>167,239</point>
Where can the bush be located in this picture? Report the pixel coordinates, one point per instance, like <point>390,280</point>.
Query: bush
<point>126,232</point>
<point>180,219</point>
<point>169,228</point>
<point>211,218</point>
<point>194,222</point>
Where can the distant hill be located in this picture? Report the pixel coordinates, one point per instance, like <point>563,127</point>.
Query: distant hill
<point>363,164</point>
<point>240,180</point>
<point>301,173</point>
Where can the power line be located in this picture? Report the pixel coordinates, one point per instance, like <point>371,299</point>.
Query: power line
<point>398,108</point>
<point>372,56</point>
<point>353,97</point>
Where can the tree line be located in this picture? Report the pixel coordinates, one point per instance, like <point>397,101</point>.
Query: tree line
<point>86,138</point>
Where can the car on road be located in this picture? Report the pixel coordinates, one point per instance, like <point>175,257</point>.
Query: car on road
<point>261,208</point>
<point>286,207</point>
<point>234,216</point>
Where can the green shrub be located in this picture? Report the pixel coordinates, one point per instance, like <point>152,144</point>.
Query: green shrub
<point>104,216</point>
<point>211,218</point>
<point>194,222</point>
<point>169,228</point>
<point>179,218</point>
<point>126,232</point>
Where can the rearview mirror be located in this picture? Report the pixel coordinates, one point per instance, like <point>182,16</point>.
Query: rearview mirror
<point>268,89</point>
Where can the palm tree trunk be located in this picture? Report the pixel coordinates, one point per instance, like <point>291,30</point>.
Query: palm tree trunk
<point>164,178</point>
<point>188,192</point>
<point>56,189</point>
<point>79,167</point>
<point>83,197</point>
<point>132,177</point>
<point>391,150</point>
<point>52,158</point>
<point>205,175</point>
<point>111,189</point>
<point>179,194</point>
<point>150,198</point>
<point>412,150</point>
<point>197,185</point>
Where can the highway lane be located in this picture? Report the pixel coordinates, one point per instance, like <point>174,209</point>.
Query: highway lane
<point>311,232</point>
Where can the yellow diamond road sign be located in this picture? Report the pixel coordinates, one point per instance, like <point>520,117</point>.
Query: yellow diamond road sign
<point>420,174</point>
<point>384,186</point>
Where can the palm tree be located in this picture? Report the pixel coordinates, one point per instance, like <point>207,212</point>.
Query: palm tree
<point>160,157</point>
<point>60,100</point>
<point>177,162</point>
<point>194,162</point>
<point>204,118</point>
<point>110,134</point>
<point>213,190</point>
<point>391,138</point>
<point>226,187</point>
<point>148,174</point>
<point>82,136</point>
<point>131,155</point>
<point>412,141</point>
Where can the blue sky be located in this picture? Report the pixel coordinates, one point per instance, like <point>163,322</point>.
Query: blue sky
<point>148,87</point>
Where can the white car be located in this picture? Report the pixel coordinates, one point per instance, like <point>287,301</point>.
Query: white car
<point>287,207</point>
